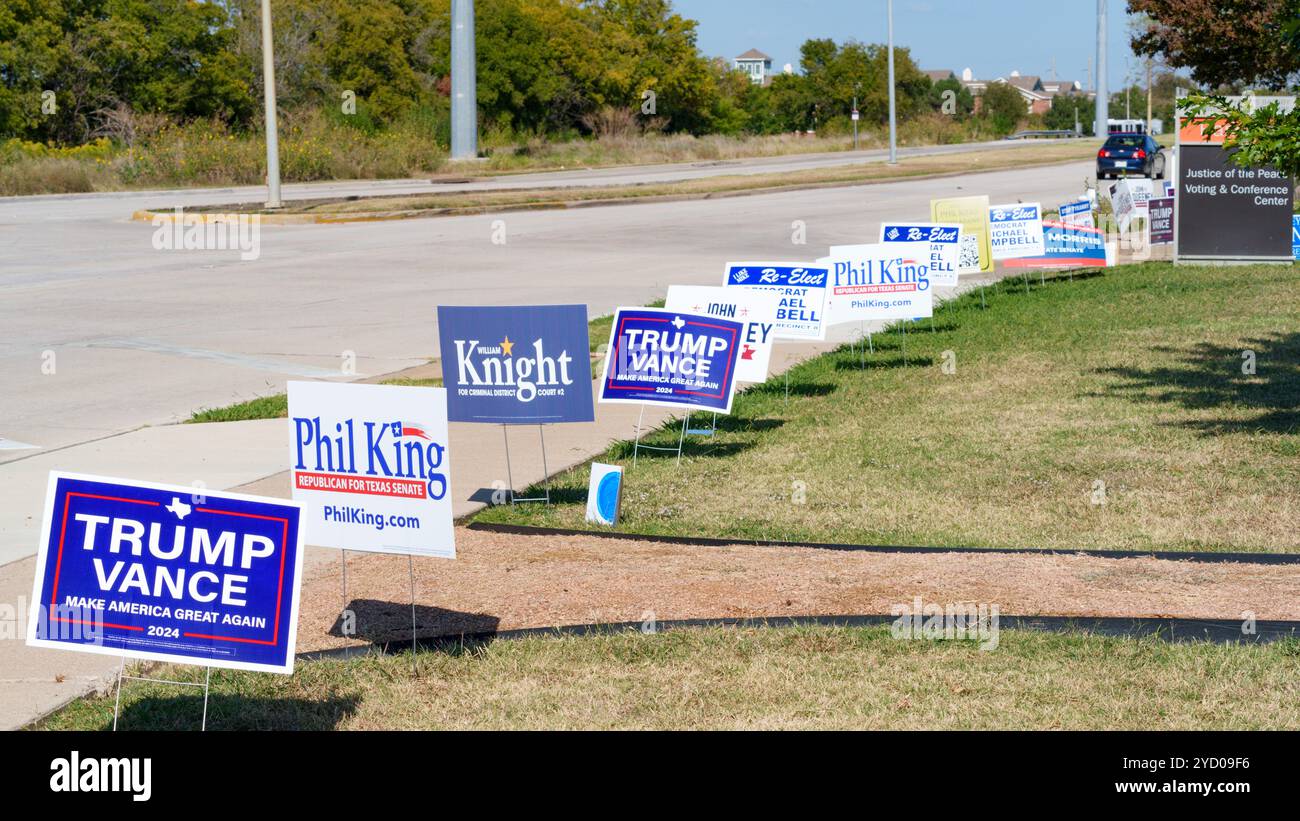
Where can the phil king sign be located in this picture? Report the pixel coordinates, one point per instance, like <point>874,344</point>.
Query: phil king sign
<point>371,468</point>
<point>879,282</point>
<point>167,573</point>
<point>660,357</point>
<point>517,365</point>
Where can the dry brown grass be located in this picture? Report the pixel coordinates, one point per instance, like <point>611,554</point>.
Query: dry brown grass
<point>910,167</point>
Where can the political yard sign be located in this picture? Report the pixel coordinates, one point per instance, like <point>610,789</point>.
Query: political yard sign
<point>167,573</point>
<point>801,287</point>
<point>1077,212</point>
<point>1067,246</point>
<point>879,282</point>
<point>1295,237</point>
<point>370,466</point>
<point>661,357</point>
<point>1016,230</point>
<point>972,213</point>
<point>941,243</point>
<point>516,365</point>
<point>756,309</point>
<point>1160,223</point>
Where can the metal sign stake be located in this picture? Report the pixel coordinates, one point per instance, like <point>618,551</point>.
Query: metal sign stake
<point>637,446</point>
<point>546,471</point>
<point>121,676</point>
<point>415,664</point>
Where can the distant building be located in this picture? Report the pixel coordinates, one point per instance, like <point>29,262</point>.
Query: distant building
<point>1036,91</point>
<point>757,65</point>
<point>938,75</point>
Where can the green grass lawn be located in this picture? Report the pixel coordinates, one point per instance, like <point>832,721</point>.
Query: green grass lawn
<point>277,405</point>
<point>807,677</point>
<point>1109,411</point>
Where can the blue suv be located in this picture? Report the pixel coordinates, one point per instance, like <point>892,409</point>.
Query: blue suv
<point>1130,154</point>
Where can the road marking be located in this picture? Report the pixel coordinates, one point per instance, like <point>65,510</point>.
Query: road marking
<point>238,360</point>
<point>9,444</point>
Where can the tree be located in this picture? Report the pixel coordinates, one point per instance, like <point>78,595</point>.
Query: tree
<point>1068,109</point>
<point>1004,108</point>
<point>1254,137</point>
<point>1223,42</point>
<point>1234,43</point>
<point>949,96</point>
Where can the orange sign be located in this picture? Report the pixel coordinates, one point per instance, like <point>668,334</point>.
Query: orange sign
<point>1193,131</point>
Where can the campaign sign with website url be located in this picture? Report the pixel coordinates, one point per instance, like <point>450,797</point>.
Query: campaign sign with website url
<point>1016,230</point>
<point>661,357</point>
<point>1076,212</point>
<point>1067,246</point>
<point>801,286</point>
<point>167,573</point>
<point>516,365</point>
<point>756,309</point>
<point>370,466</point>
<point>942,246</point>
<point>879,282</point>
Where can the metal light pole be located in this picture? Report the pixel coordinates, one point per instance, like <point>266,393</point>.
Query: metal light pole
<point>272,128</point>
<point>893,110</point>
<point>464,94</point>
<point>1103,93</point>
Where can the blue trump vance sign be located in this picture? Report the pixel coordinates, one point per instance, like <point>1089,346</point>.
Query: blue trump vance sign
<point>156,572</point>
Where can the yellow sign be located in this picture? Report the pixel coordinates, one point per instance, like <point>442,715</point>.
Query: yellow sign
<point>972,213</point>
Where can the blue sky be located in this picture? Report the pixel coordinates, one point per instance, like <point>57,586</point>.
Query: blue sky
<point>991,37</point>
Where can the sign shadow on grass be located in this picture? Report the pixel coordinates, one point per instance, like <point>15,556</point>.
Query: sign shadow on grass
<point>235,712</point>
<point>1209,377</point>
<point>382,622</point>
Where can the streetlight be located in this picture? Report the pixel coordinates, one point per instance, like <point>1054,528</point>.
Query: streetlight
<point>893,111</point>
<point>464,95</point>
<point>1103,93</point>
<point>272,129</point>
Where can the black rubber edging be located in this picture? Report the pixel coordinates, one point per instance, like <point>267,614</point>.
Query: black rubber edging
<point>1172,630</point>
<point>700,541</point>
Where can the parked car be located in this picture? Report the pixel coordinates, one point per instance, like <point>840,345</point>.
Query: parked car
<point>1130,154</point>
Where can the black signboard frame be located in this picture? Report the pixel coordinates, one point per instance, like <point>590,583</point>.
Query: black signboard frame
<point>1229,226</point>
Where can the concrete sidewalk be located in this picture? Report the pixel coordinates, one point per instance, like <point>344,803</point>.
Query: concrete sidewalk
<point>249,457</point>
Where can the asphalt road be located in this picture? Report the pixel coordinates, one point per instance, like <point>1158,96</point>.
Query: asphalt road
<point>101,333</point>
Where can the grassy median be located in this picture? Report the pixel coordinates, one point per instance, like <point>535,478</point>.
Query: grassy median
<point>1108,411</point>
<point>470,202</point>
<point>797,678</point>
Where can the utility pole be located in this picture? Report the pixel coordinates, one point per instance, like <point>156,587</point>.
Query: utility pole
<point>893,109</point>
<point>464,82</point>
<point>856,115</point>
<point>1103,93</point>
<point>1148,95</point>
<point>272,128</point>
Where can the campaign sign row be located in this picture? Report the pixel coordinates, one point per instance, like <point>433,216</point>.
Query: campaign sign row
<point>174,574</point>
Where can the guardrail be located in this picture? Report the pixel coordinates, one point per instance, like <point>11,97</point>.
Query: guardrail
<point>1043,135</point>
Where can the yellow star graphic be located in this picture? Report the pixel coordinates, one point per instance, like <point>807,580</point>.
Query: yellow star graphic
<point>507,347</point>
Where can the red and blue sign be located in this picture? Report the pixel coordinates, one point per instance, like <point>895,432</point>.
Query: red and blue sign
<point>517,365</point>
<point>1067,246</point>
<point>659,357</point>
<point>167,573</point>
